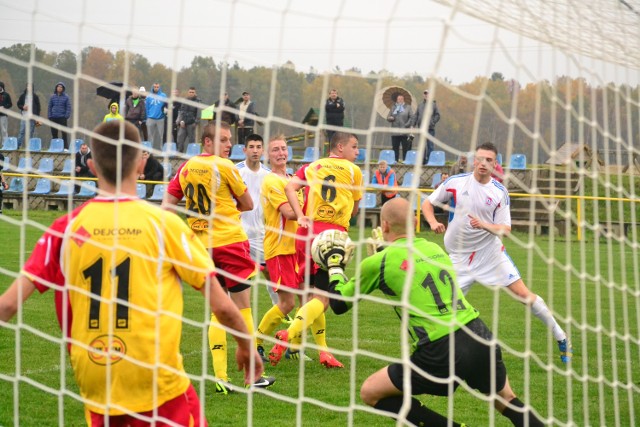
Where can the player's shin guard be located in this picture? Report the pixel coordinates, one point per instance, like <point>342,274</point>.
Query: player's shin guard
<point>541,311</point>
<point>518,417</point>
<point>305,317</point>
<point>318,328</point>
<point>270,320</point>
<point>218,346</point>
<point>418,414</point>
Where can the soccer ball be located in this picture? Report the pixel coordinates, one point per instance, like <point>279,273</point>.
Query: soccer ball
<point>330,242</point>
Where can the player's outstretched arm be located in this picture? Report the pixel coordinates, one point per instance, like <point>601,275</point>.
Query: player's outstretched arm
<point>291,191</point>
<point>244,202</point>
<point>228,314</point>
<point>18,292</point>
<point>429,215</point>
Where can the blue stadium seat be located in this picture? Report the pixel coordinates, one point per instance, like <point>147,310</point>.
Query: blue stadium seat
<point>389,156</point>
<point>56,145</point>
<point>67,166</point>
<point>158,192</point>
<point>369,201</point>
<point>66,188</point>
<point>35,144</point>
<point>362,155</point>
<point>170,148</point>
<point>518,161</point>
<point>236,152</point>
<point>193,149</point>
<point>7,163</point>
<point>436,158</point>
<point>88,189</point>
<point>46,165</point>
<point>310,155</point>
<point>412,155</point>
<point>437,178</point>
<point>167,169</point>
<point>147,145</point>
<point>290,155</point>
<point>10,143</point>
<point>289,171</point>
<point>16,185</point>
<point>43,186</point>
<point>141,190</point>
<point>75,147</point>
<point>499,159</point>
<point>24,164</point>
<point>406,180</point>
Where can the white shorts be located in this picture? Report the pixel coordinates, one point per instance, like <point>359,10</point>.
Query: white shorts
<point>257,251</point>
<point>488,266</point>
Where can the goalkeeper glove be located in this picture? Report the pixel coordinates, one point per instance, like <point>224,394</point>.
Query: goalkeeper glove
<point>334,251</point>
<point>376,242</point>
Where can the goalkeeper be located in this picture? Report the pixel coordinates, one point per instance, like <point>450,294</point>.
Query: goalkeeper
<point>439,314</point>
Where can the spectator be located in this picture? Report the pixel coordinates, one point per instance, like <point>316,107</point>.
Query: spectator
<point>143,126</point>
<point>498,173</point>
<point>245,123</point>
<point>28,102</point>
<point>461,166</point>
<point>400,117</point>
<point>135,110</point>
<point>150,170</point>
<point>386,176</point>
<point>5,104</point>
<point>187,120</point>
<point>113,113</point>
<point>421,114</point>
<point>156,104</point>
<point>175,112</point>
<point>226,115</point>
<point>59,112</point>
<point>82,163</point>
<point>334,112</point>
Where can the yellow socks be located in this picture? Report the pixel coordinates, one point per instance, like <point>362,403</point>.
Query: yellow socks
<point>270,320</point>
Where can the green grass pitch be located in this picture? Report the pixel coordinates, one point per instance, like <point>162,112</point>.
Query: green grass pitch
<point>597,303</point>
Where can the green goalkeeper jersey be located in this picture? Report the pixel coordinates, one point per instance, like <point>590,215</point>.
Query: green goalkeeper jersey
<point>436,305</point>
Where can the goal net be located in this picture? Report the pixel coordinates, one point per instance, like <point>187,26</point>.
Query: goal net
<point>554,85</point>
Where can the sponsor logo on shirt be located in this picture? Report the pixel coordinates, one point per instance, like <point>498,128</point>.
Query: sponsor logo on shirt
<point>104,349</point>
<point>81,236</point>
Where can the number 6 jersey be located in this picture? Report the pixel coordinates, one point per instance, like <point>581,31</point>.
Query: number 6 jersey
<point>335,184</point>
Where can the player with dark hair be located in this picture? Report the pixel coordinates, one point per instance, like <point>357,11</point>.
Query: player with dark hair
<point>215,195</point>
<point>116,265</point>
<point>479,217</point>
<point>334,190</point>
<point>440,320</point>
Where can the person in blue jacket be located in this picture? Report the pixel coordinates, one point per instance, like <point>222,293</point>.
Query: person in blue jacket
<point>59,112</point>
<point>156,104</point>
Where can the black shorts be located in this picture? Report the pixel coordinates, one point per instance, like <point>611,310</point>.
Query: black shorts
<point>472,358</point>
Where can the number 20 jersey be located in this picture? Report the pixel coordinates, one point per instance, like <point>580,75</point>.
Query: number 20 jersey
<point>334,185</point>
<point>117,267</point>
<point>210,185</point>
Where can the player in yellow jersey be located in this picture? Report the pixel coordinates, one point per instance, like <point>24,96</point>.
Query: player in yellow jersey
<point>279,239</point>
<point>116,264</point>
<point>334,188</point>
<point>215,195</point>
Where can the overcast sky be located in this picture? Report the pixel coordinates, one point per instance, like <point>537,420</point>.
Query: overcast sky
<point>404,36</point>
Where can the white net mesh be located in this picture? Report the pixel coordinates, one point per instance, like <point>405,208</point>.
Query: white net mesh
<point>553,84</point>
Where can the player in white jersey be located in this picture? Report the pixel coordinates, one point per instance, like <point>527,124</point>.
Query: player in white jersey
<point>253,172</point>
<point>479,216</point>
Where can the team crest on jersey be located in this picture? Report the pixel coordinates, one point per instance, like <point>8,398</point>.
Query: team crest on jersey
<point>404,266</point>
<point>81,236</point>
<point>489,201</point>
<point>101,353</point>
<point>326,211</point>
